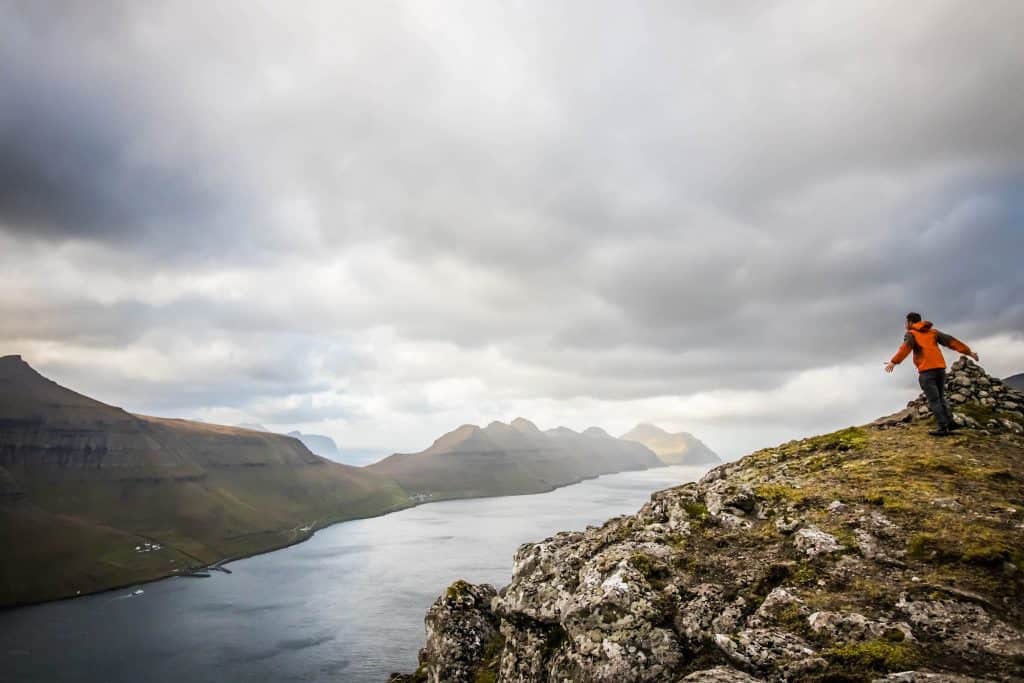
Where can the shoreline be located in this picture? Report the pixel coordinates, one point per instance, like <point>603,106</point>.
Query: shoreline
<point>217,564</point>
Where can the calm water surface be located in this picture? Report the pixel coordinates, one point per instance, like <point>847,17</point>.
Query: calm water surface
<point>347,605</point>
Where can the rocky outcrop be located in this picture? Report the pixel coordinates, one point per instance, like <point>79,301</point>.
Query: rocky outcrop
<point>462,636</point>
<point>862,555</point>
<point>978,401</point>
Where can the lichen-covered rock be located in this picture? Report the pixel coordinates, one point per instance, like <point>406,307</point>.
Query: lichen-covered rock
<point>865,554</point>
<point>853,627</point>
<point>461,629</point>
<point>966,628</point>
<point>813,542</point>
<point>720,674</point>
<point>924,677</point>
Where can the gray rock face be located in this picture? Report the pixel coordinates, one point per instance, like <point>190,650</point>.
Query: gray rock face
<point>461,633</point>
<point>923,677</point>
<point>802,562</point>
<point>813,542</point>
<point>720,674</point>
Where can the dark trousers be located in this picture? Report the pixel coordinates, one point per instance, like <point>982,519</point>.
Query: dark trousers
<point>933,384</point>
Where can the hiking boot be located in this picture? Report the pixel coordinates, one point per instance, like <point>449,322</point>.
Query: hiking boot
<point>940,432</point>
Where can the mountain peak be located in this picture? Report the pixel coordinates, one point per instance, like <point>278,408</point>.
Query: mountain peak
<point>23,390</point>
<point>645,429</point>
<point>681,448</point>
<point>524,425</point>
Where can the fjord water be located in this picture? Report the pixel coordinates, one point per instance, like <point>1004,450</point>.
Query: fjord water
<point>347,605</point>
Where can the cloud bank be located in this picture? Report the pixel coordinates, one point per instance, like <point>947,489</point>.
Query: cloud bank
<point>378,221</point>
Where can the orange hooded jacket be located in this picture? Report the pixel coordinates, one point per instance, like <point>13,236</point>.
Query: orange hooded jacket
<point>924,340</point>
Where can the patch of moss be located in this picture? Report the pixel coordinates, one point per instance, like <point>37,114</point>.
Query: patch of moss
<point>651,568</point>
<point>805,575</point>
<point>458,590</point>
<point>873,497</point>
<point>792,618</point>
<point>980,412</point>
<point>978,546</point>
<point>894,635</point>
<point>778,493</point>
<point>874,656</point>
<point>696,510</point>
<point>849,439</point>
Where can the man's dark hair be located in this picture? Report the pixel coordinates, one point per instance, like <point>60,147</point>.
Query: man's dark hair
<point>913,317</point>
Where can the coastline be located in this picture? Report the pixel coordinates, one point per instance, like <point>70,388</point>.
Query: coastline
<point>305,536</point>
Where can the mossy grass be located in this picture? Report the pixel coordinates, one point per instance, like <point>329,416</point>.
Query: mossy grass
<point>874,656</point>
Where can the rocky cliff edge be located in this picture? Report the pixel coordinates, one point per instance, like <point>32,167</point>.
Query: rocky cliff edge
<point>873,553</point>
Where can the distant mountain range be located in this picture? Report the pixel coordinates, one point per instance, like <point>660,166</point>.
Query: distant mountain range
<point>84,486</point>
<point>325,446</point>
<point>502,459</point>
<point>1015,381</point>
<point>680,448</point>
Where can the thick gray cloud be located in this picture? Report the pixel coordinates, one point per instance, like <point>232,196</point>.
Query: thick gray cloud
<point>363,215</point>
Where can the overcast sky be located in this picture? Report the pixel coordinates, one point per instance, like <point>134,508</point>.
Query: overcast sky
<point>380,220</point>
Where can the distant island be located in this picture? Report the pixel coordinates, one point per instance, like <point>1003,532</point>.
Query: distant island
<point>93,497</point>
<point>502,459</point>
<point>323,446</point>
<point>681,448</point>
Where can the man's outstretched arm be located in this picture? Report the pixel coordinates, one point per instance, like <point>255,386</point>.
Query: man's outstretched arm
<point>905,348</point>
<point>951,342</point>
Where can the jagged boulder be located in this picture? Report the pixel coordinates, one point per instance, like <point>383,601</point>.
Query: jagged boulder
<point>857,556</point>
<point>462,637</point>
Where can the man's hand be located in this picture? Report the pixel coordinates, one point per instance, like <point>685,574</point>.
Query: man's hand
<point>890,366</point>
<point>974,356</point>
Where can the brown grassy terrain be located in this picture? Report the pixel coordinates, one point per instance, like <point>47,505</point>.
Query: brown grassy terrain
<point>82,484</point>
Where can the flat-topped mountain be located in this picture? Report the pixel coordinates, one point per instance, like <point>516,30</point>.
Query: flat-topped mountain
<point>504,459</point>
<point>681,448</point>
<point>318,443</point>
<point>874,553</point>
<point>88,490</point>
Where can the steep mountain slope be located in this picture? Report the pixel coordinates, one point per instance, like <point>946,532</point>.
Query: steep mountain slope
<point>85,486</point>
<point>860,555</point>
<point>1015,381</point>
<point>505,459</point>
<point>681,448</point>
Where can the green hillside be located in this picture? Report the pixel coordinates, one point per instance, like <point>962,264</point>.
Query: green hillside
<point>84,484</point>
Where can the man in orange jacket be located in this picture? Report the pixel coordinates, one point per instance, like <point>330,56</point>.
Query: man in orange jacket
<point>924,340</point>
